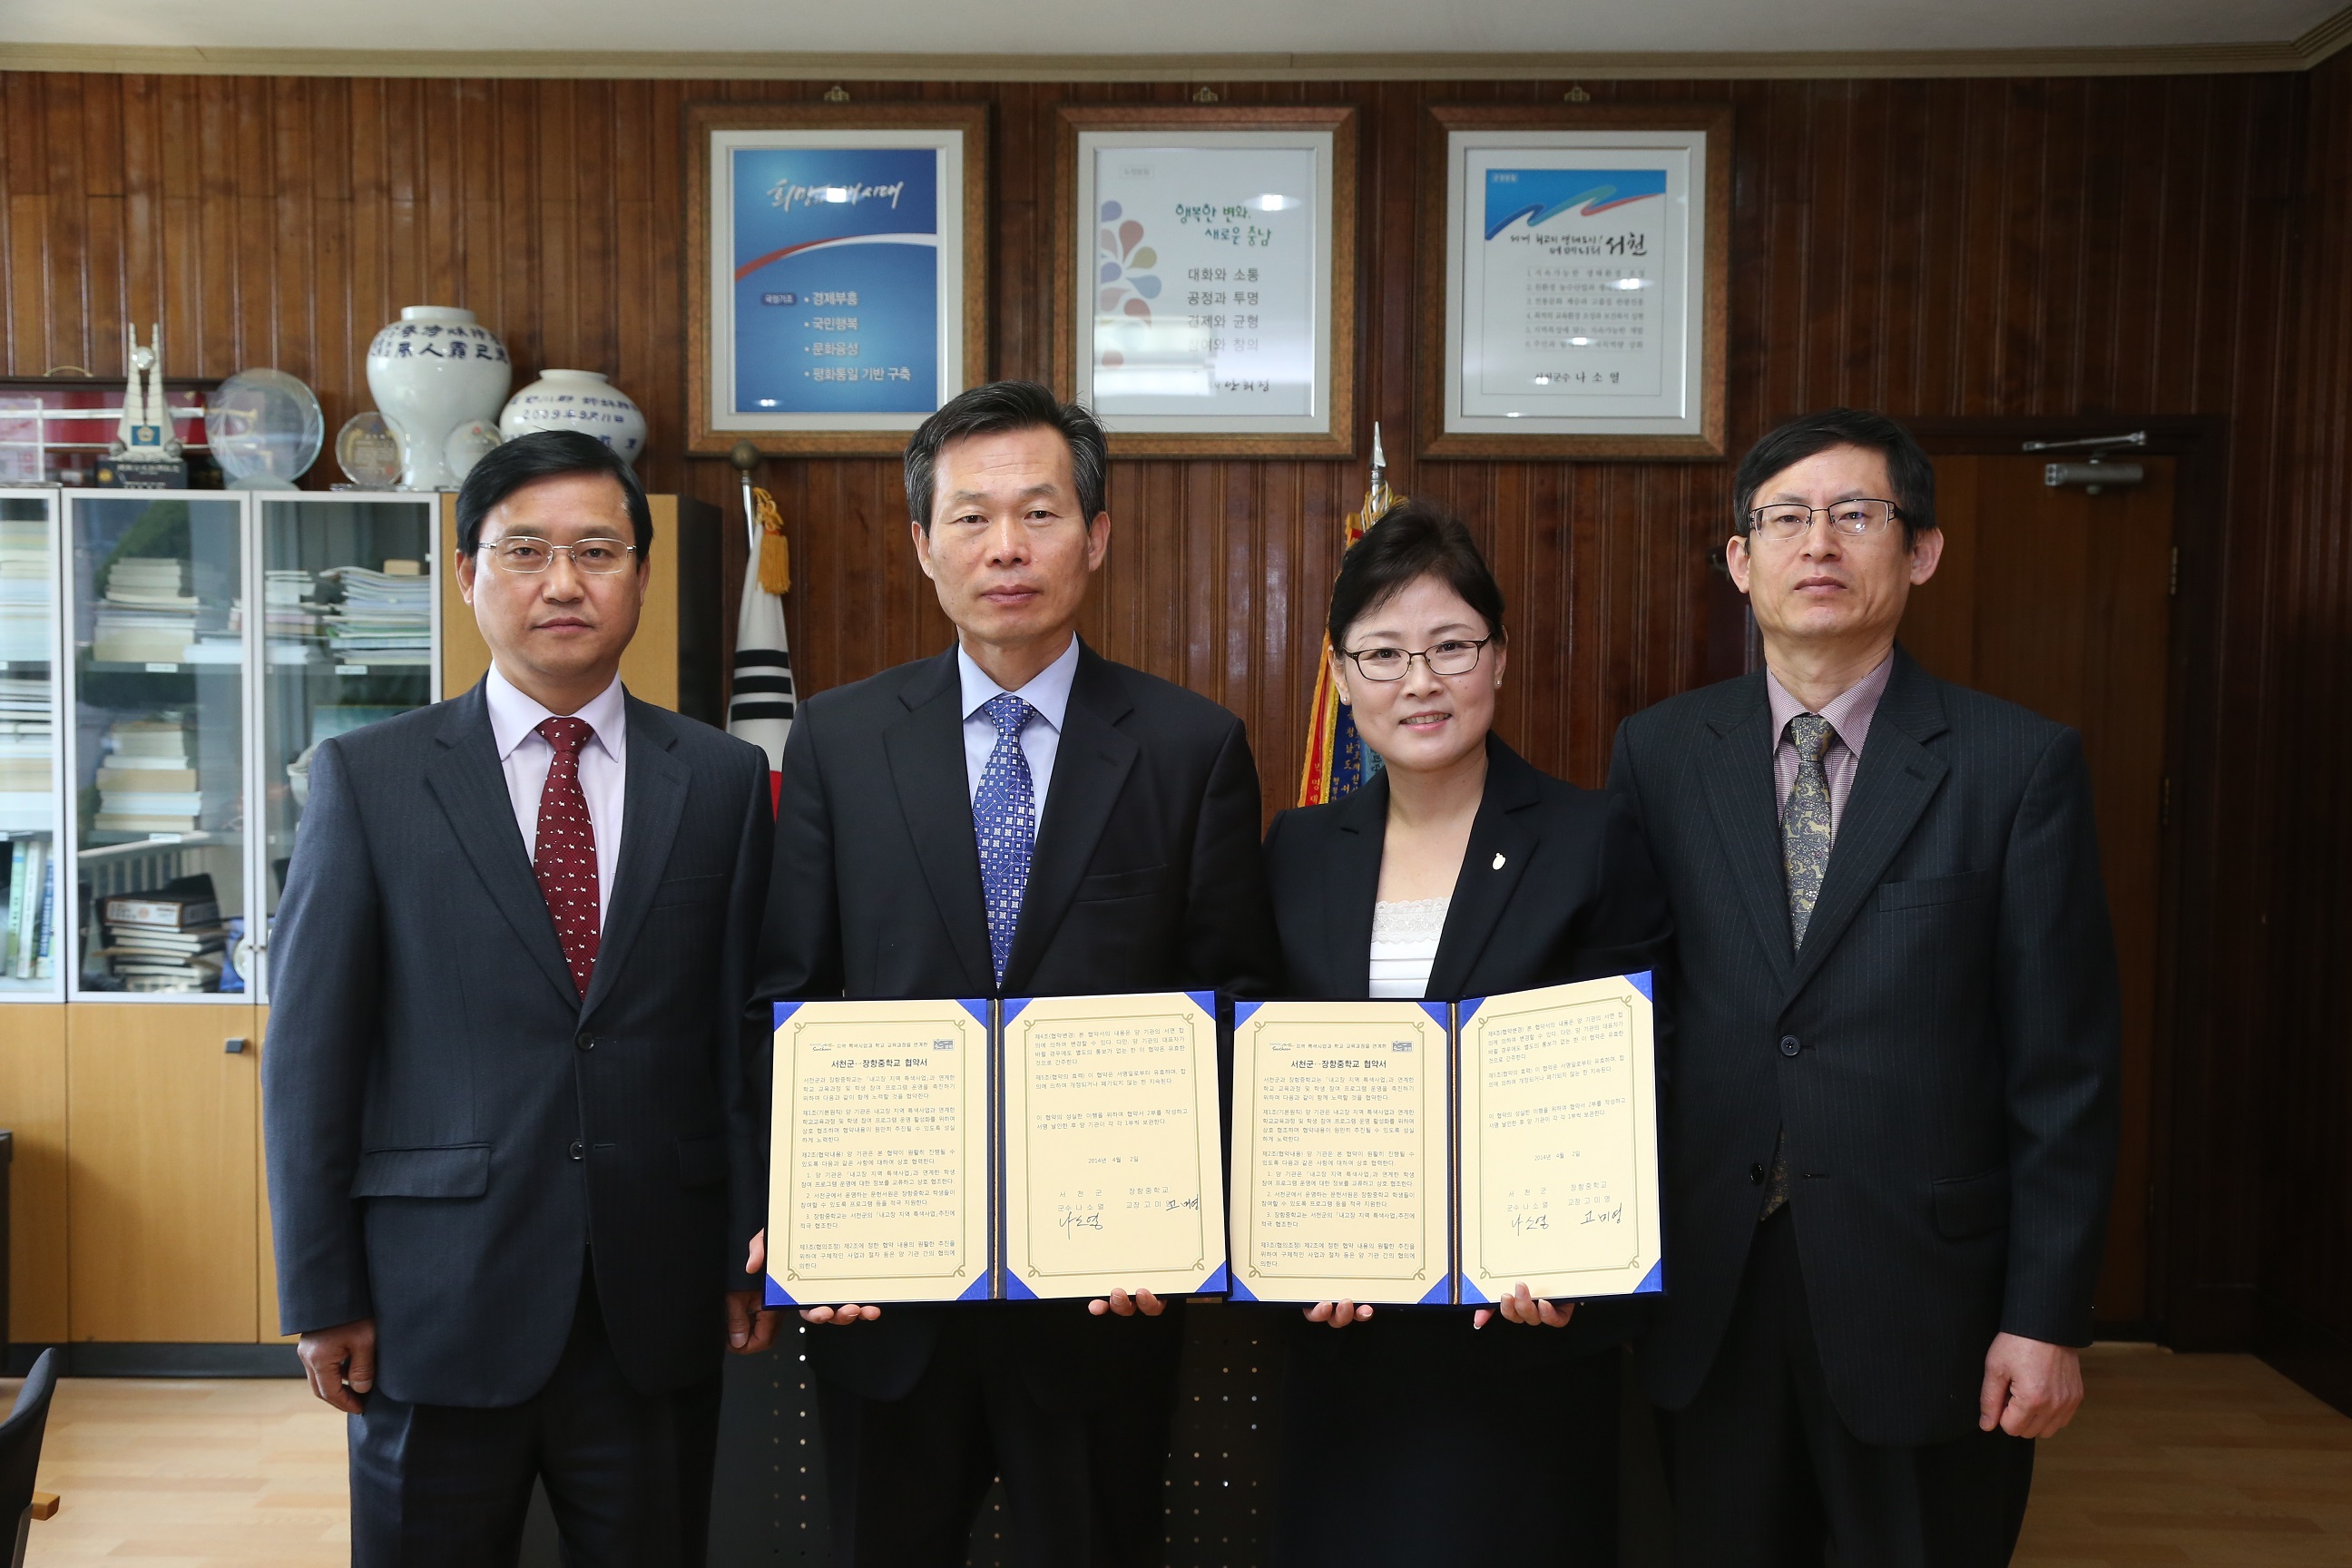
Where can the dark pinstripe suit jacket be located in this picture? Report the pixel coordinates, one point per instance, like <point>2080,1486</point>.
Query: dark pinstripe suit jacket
<point>450,1126</point>
<point>1943,1053</point>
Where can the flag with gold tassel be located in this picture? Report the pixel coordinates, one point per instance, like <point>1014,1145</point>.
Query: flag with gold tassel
<point>1337,761</point>
<point>760,695</point>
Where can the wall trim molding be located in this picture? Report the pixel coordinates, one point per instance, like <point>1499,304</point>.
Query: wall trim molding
<point>2170,59</point>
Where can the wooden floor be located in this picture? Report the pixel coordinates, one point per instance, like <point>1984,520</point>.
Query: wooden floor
<point>2213,1462</point>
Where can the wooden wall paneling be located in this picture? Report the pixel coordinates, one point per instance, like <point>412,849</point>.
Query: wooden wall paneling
<point>2307,1228</point>
<point>32,1106</point>
<point>164,1127</point>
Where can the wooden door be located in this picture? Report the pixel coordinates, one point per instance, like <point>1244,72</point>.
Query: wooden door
<point>2060,601</point>
<point>163,1122</point>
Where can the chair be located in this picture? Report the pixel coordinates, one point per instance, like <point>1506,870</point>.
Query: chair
<point>20,1452</point>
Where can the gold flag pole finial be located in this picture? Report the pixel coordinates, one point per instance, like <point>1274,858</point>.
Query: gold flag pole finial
<point>1378,498</point>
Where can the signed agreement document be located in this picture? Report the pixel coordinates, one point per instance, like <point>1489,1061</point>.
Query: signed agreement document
<point>879,1177</point>
<point>1436,1153</point>
<point>1340,1151</point>
<point>1113,1172</point>
<point>986,1151</point>
<point>1558,1130</point>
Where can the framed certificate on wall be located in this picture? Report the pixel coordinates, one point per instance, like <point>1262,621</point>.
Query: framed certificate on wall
<point>1205,278</point>
<point>836,272</point>
<point>1572,275</point>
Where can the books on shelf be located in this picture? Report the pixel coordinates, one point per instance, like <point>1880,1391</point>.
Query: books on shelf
<point>145,618</point>
<point>145,783</point>
<point>383,617</point>
<point>32,907</point>
<point>24,590</point>
<point>165,938</point>
<point>27,742</point>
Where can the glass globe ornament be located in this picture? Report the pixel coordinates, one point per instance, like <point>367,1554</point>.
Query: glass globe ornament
<point>264,430</point>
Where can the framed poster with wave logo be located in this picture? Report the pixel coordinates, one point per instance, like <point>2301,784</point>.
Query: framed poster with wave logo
<point>1205,278</point>
<point>1572,273</point>
<point>836,275</point>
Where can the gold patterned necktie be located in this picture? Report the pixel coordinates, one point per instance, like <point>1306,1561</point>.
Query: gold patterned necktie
<point>1804,857</point>
<point>563,855</point>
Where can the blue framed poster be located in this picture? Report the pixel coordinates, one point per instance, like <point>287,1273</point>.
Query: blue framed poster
<point>838,277</point>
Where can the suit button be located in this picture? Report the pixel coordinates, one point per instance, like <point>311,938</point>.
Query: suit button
<point>1755,1175</point>
<point>586,1042</point>
<point>577,1151</point>
<point>1790,1046</point>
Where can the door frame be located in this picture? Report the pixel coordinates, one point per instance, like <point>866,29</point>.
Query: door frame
<point>2188,1308</point>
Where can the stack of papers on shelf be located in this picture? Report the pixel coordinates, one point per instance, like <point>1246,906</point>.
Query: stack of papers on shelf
<point>24,590</point>
<point>386,617</point>
<point>147,781</point>
<point>292,614</point>
<point>169,939</point>
<point>145,618</point>
<point>24,750</point>
<point>32,909</point>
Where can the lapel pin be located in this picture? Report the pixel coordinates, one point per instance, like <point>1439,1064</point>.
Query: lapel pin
<point>1498,862</point>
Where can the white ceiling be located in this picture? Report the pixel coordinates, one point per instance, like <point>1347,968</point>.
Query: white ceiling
<point>1156,26</point>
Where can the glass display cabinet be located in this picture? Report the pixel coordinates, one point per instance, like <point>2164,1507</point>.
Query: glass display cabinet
<point>215,641</point>
<point>155,747</point>
<point>352,608</point>
<point>33,962</point>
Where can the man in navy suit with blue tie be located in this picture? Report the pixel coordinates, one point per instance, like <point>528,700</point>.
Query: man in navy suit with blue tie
<point>1016,816</point>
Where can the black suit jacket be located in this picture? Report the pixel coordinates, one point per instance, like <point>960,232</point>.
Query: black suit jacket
<point>1943,1052</point>
<point>1146,877</point>
<point>1574,899</point>
<point>450,1127</point>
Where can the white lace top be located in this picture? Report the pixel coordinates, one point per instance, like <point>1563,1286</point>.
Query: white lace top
<point>1405,946</point>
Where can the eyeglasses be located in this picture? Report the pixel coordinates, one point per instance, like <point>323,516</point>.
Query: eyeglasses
<point>1451,657</point>
<point>597,557</point>
<point>1853,519</point>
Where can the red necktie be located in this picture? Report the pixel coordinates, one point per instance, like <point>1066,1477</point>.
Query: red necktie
<point>565,856</point>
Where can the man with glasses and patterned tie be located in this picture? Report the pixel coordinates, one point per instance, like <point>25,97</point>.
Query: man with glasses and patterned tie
<point>511,1096</point>
<point>1890,1113</point>
<point>1016,816</point>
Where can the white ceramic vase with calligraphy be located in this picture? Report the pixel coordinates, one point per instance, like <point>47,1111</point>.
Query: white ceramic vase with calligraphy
<point>431,371</point>
<point>579,400</point>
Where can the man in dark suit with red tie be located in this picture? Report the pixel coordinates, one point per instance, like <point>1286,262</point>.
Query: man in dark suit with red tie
<point>1014,816</point>
<point>510,1095</point>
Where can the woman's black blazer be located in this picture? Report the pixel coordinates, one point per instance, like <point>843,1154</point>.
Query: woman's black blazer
<point>1556,886</point>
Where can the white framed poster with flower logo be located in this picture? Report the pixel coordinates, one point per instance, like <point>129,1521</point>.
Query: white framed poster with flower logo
<point>1205,278</point>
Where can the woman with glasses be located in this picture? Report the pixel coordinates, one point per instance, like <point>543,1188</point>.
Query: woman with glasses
<point>1429,1435</point>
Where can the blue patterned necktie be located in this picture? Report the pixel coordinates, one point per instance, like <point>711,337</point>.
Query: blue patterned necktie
<point>1004,820</point>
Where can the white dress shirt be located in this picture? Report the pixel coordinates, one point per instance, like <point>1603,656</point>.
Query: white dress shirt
<point>1048,693</point>
<point>525,756</point>
<point>1405,946</point>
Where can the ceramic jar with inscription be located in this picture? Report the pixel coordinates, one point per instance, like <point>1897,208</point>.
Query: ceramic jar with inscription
<point>431,371</point>
<point>579,400</point>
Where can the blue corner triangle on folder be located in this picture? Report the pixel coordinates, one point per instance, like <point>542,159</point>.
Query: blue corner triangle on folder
<point>1645,982</point>
<point>1220,1281</point>
<point>1470,1005</point>
<point>775,1296</point>
<point>1206,1001</point>
<point>783,1011</point>
<point>1439,1294</point>
<point>1015,1290</point>
<point>977,1009</point>
<point>975,1291</point>
<point>1653,1283</point>
<point>1471,1293</point>
<point>1012,1005</point>
<point>1243,1012</point>
<point>1237,1292</point>
<point>1437,1011</point>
